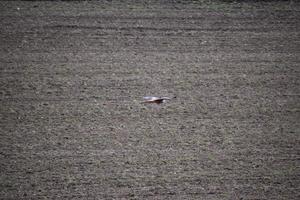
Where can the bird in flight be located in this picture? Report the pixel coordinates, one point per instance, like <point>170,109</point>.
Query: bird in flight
<point>157,100</point>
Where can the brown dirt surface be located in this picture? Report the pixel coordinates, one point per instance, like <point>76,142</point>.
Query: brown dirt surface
<point>72,78</point>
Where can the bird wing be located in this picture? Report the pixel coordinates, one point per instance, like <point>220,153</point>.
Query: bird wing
<point>151,98</point>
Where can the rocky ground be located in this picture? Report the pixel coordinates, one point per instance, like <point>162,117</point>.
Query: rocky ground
<point>72,78</point>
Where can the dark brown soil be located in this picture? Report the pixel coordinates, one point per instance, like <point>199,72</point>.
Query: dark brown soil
<point>72,79</point>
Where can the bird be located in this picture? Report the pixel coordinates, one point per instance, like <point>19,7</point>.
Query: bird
<point>157,100</point>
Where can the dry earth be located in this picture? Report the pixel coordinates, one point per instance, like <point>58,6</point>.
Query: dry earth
<point>73,75</point>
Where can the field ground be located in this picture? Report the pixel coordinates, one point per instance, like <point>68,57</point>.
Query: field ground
<point>73,75</point>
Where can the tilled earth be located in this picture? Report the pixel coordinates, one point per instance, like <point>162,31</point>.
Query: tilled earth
<point>72,79</point>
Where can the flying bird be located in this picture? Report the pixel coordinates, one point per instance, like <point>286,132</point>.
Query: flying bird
<point>157,100</point>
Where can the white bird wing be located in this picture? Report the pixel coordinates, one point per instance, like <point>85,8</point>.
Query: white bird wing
<point>150,98</point>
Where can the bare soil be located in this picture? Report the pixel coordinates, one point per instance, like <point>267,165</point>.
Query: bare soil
<point>72,78</point>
